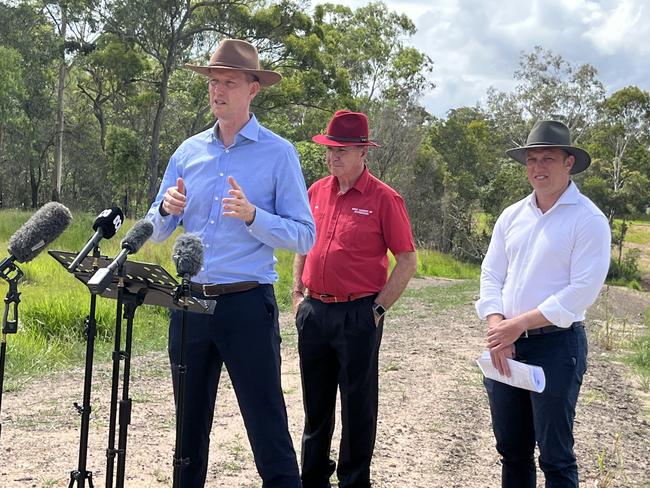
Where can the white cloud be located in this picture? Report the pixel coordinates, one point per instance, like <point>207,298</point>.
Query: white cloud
<point>476,44</point>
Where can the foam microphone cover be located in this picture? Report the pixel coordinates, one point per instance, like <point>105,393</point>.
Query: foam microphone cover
<point>137,236</point>
<point>110,221</point>
<point>188,255</point>
<point>41,229</point>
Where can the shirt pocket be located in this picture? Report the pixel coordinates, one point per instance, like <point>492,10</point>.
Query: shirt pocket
<point>358,231</point>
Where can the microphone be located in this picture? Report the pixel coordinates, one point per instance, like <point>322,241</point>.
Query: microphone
<point>188,255</point>
<point>105,226</point>
<point>132,242</point>
<point>41,229</point>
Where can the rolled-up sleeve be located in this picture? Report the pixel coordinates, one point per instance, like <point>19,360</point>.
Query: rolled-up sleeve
<point>493,274</point>
<point>589,265</point>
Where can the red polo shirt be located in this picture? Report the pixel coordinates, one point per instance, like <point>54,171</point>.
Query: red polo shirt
<point>353,232</point>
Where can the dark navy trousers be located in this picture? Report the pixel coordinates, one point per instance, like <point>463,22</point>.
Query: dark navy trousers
<point>242,333</point>
<point>521,418</point>
<point>339,349</point>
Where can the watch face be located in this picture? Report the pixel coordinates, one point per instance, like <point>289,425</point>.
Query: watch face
<point>379,310</point>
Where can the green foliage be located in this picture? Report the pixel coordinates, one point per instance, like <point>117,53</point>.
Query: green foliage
<point>626,270</point>
<point>125,157</point>
<point>433,263</point>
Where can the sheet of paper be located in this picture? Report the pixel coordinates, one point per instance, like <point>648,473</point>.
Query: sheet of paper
<point>522,375</point>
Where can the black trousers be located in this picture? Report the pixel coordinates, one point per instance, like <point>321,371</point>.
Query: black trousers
<point>521,418</point>
<point>243,333</point>
<point>339,348</point>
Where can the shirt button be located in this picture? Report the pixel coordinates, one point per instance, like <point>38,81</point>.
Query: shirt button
<point>202,269</point>
<point>220,174</point>
<point>216,198</point>
<point>207,245</point>
<point>227,151</point>
<point>212,221</point>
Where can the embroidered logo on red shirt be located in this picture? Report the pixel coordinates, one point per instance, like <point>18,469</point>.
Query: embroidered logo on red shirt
<point>361,211</point>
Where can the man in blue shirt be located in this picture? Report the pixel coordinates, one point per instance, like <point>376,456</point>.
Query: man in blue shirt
<point>239,187</point>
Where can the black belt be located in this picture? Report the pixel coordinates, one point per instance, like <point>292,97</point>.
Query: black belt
<point>215,290</point>
<point>550,329</point>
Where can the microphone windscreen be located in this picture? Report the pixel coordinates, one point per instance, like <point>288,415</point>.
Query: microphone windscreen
<point>137,236</point>
<point>41,229</point>
<point>188,255</point>
<point>110,221</point>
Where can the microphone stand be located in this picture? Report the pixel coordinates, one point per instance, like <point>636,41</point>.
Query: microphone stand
<point>127,302</point>
<point>181,297</point>
<point>9,326</point>
<point>80,475</point>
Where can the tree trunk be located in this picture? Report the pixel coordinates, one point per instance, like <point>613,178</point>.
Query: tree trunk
<point>58,157</point>
<point>155,135</point>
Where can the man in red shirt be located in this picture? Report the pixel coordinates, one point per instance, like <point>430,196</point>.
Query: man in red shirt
<point>340,294</point>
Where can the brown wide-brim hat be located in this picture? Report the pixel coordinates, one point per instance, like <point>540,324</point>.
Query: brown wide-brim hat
<point>234,54</point>
<point>551,133</point>
<point>346,129</point>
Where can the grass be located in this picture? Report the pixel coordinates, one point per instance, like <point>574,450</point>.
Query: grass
<point>640,355</point>
<point>53,306</point>
<point>638,232</point>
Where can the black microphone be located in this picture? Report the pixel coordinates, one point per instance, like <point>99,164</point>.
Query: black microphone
<point>132,242</point>
<point>105,226</point>
<point>188,255</point>
<point>41,229</point>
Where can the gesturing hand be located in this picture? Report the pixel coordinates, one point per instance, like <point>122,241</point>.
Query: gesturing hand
<point>238,206</point>
<point>174,201</point>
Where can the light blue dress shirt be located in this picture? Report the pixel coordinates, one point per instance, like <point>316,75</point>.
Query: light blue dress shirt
<point>267,169</point>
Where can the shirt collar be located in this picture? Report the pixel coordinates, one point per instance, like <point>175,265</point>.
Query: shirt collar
<point>569,197</point>
<point>360,185</point>
<point>250,131</point>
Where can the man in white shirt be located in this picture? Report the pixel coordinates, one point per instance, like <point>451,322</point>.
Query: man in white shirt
<point>546,263</point>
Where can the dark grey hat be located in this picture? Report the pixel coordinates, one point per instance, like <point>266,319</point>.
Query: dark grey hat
<point>551,133</point>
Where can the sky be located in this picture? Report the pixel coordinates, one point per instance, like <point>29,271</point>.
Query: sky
<point>477,44</point>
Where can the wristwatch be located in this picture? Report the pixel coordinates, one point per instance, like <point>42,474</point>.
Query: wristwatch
<point>378,309</point>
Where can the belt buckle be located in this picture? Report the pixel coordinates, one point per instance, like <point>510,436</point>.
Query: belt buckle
<point>325,298</point>
<point>525,334</point>
<point>205,293</point>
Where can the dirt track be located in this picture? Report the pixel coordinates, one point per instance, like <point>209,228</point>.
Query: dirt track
<point>434,428</point>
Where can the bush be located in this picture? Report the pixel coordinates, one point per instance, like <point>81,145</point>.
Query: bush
<point>626,269</point>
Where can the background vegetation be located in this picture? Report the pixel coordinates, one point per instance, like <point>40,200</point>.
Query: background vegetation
<point>94,99</point>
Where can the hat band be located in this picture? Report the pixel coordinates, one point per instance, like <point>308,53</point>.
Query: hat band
<point>347,139</point>
<point>220,64</point>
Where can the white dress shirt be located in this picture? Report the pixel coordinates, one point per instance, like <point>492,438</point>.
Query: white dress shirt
<point>555,262</point>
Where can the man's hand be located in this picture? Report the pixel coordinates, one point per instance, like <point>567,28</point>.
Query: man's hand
<point>296,299</point>
<point>238,206</point>
<point>503,334</point>
<point>499,359</point>
<point>174,201</point>
<point>499,356</point>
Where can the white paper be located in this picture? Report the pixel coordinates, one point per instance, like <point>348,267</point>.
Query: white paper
<point>522,375</point>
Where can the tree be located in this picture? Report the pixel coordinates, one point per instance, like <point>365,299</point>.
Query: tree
<point>549,87</point>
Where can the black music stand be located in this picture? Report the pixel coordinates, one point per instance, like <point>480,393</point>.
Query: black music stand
<point>135,284</point>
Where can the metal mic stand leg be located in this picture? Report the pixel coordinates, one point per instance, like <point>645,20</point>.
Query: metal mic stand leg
<point>9,326</point>
<point>80,475</point>
<point>181,369</point>
<point>132,301</point>
<point>117,356</point>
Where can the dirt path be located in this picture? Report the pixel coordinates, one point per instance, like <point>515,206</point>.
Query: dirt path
<point>434,428</point>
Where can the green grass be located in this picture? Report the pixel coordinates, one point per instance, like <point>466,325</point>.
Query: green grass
<point>54,304</point>
<point>446,297</point>
<point>433,263</point>
<point>638,233</point>
<point>640,356</point>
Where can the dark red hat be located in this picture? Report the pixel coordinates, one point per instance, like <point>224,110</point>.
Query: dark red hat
<point>346,129</point>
